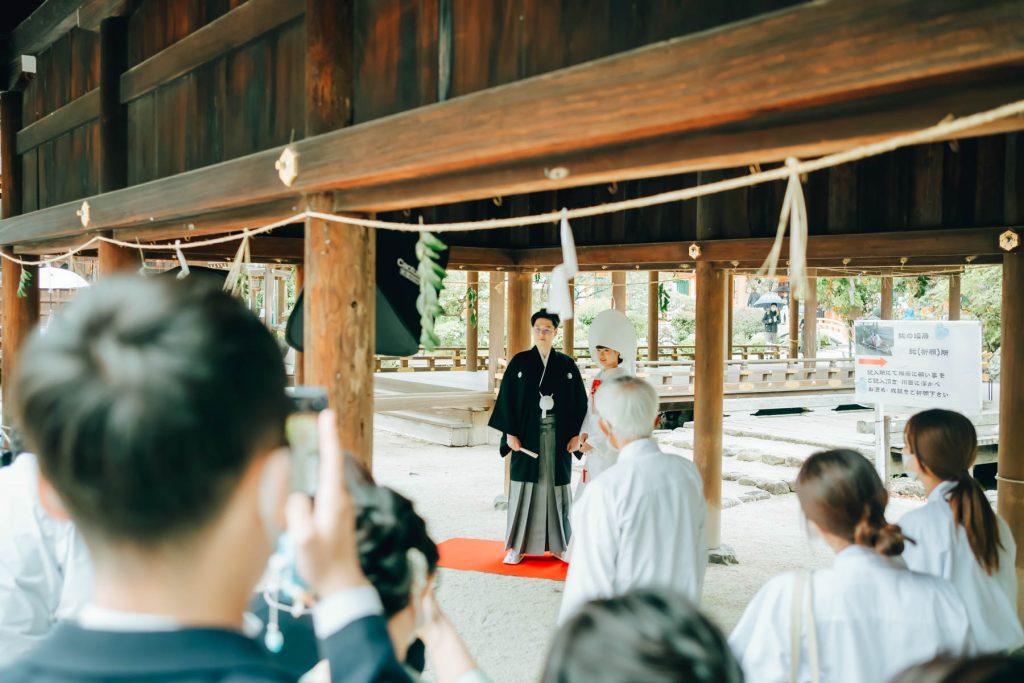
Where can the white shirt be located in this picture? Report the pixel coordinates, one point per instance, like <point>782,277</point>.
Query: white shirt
<point>641,524</point>
<point>45,571</point>
<point>330,615</point>
<point>942,549</point>
<point>873,617</point>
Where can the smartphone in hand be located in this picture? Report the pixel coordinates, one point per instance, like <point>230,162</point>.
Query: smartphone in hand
<point>301,431</point>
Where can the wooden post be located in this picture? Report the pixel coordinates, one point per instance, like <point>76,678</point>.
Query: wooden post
<point>1010,493</point>
<point>569,326</point>
<point>300,364</point>
<point>113,151</point>
<point>496,330</point>
<point>20,314</point>
<point>520,338</point>
<point>794,324</point>
<point>954,297</point>
<point>340,260</point>
<point>730,295</point>
<point>280,298</point>
<point>472,335</point>
<point>520,302</point>
<point>811,315</point>
<point>340,322</point>
<point>709,391</point>
<point>653,315</point>
<point>619,290</point>
<point>886,306</point>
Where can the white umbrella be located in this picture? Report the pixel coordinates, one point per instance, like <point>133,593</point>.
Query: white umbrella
<point>59,278</point>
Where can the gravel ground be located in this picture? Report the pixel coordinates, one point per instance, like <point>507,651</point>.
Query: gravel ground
<point>508,622</point>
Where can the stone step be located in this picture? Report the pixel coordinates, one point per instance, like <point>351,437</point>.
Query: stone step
<point>747,448</point>
<point>735,490</point>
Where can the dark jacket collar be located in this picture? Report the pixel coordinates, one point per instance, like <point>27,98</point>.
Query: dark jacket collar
<point>82,651</point>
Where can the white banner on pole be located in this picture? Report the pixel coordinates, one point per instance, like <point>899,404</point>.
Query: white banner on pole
<point>927,364</point>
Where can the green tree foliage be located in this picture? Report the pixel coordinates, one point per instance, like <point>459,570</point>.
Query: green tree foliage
<point>981,299</point>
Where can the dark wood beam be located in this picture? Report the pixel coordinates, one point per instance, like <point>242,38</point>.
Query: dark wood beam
<point>234,29</point>
<point>683,87</point>
<point>53,125</point>
<point>480,258</point>
<point>212,223</point>
<point>92,12</point>
<point>50,21</point>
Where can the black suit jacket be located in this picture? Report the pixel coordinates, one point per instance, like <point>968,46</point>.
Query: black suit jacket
<point>359,653</point>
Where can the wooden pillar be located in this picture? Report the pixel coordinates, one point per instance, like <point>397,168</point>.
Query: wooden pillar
<point>569,326</point>
<point>496,329</point>
<point>472,335</point>
<point>794,325</point>
<point>113,151</point>
<point>340,322</point>
<point>520,303</point>
<point>520,338</point>
<point>340,295</point>
<point>619,290</point>
<point>280,299</point>
<point>886,307</point>
<point>300,364</point>
<point>709,391</point>
<point>1011,408</point>
<point>653,315</point>
<point>811,315</point>
<point>954,297</point>
<point>730,295</point>
<point>20,314</point>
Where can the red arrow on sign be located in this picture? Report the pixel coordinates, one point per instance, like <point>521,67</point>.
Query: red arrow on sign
<point>871,361</point>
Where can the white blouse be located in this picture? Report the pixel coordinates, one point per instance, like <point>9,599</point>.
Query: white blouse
<point>874,618</point>
<point>942,549</point>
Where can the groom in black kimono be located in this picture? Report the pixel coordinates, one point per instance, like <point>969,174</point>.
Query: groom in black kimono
<point>539,410</point>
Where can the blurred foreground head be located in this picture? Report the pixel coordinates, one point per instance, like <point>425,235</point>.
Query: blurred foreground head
<point>645,636</point>
<point>147,401</point>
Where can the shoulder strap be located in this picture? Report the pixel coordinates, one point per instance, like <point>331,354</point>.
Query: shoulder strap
<point>812,632</point>
<point>795,619</point>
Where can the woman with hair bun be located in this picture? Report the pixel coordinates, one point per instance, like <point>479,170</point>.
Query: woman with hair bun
<point>959,536</point>
<point>865,618</point>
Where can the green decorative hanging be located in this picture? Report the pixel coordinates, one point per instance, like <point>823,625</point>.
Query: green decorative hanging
<point>24,282</point>
<point>471,298</point>
<point>431,283</point>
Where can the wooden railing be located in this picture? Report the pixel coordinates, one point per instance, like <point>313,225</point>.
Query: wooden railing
<point>448,358</point>
<point>676,378</point>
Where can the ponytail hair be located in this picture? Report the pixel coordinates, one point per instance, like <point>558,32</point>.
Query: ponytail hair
<point>946,444</point>
<point>840,492</point>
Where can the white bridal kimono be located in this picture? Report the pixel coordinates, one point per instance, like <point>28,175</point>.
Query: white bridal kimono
<point>942,549</point>
<point>641,524</point>
<point>874,618</point>
<point>603,454</point>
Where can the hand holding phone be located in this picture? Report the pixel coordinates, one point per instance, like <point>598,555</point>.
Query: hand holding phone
<point>324,529</point>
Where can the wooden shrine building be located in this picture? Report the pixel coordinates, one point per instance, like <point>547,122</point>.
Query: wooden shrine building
<point>167,117</point>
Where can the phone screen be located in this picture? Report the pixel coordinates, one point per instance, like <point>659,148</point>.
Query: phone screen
<point>302,433</point>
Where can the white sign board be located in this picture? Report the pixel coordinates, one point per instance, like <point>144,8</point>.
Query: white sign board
<point>933,364</point>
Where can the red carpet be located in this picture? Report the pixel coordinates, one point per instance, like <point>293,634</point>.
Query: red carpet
<point>478,555</point>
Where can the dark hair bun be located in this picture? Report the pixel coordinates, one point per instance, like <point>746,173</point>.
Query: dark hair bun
<point>387,527</point>
<point>886,539</point>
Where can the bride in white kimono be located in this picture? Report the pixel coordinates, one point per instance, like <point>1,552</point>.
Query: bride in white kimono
<point>613,346</point>
<point>865,618</point>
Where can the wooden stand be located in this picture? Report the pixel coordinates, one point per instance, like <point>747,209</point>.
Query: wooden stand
<point>886,306</point>
<point>954,297</point>
<point>472,336</point>
<point>496,329</point>
<point>653,315</point>
<point>340,323</point>
<point>520,290</point>
<point>794,325</point>
<point>619,290</point>
<point>1011,408</point>
<point>569,326</point>
<point>709,392</point>
<point>811,316</point>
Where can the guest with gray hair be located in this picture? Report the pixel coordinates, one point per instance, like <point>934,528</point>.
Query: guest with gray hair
<point>641,524</point>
